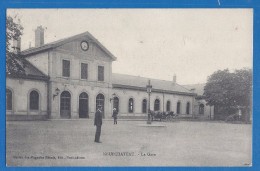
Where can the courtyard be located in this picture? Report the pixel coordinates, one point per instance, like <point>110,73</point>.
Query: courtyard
<point>129,143</point>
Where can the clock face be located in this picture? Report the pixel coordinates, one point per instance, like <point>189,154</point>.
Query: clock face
<point>84,45</point>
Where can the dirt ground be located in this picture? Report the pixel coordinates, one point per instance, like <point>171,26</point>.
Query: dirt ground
<point>129,143</point>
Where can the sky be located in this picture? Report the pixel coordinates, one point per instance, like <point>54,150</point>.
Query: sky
<point>155,43</point>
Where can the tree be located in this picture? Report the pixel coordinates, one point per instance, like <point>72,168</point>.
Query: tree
<point>13,32</point>
<point>229,90</point>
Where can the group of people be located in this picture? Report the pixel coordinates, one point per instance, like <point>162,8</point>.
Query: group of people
<point>98,122</point>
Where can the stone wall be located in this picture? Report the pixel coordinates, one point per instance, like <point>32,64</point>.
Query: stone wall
<point>21,89</point>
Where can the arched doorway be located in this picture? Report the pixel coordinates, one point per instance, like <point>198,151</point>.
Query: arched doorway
<point>188,108</point>
<point>168,106</point>
<point>156,105</point>
<point>83,105</point>
<point>100,101</point>
<point>116,103</point>
<point>201,109</point>
<point>65,104</point>
<point>178,107</point>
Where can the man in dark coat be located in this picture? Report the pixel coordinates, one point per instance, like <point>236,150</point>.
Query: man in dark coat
<point>115,113</point>
<point>98,124</point>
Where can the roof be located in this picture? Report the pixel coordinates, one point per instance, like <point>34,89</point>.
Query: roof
<point>137,82</point>
<point>30,71</point>
<point>199,88</point>
<point>60,42</point>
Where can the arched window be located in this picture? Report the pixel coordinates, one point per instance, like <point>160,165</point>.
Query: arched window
<point>156,105</point>
<point>144,106</point>
<point>34,100</point>
<point>188,108</point>
<point>9,99</point>
<point>100,101</point>
<point>201,109</point>
<point>116,103</point>
<point>131,105</point>
<point>178,107</point>
<point>168,106</point>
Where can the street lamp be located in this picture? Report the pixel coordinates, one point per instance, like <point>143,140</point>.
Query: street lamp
<point>149,91</point>
<point>57,92</point>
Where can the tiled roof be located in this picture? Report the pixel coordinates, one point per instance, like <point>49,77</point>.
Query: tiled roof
<point>199,88</point>
<point>137,82</point>
<point>30,71</point>
<point>63,41</point>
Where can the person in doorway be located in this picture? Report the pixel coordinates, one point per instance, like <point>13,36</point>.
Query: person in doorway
<point>98,124</point>
<point>115,113</point>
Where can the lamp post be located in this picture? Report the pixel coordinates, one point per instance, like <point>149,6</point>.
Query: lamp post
<point>149,91</point>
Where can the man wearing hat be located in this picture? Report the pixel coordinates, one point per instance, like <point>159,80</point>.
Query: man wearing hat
<point>98,123</point>
<point>115,113</point>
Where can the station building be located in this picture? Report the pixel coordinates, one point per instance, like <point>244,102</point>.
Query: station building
<point>69,78</point>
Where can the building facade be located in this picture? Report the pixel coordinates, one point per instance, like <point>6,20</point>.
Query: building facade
<point>201,109</point>
<point>69,78</point>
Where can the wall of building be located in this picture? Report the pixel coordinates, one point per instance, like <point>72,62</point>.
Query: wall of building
<point>125,94</point>
<point>72,52</point>
<point>75,90</point>
<point>50,63</point>
<point>75,67</point>
<point>94,57</point>
<point>21,89</point>
<point>208,111</point>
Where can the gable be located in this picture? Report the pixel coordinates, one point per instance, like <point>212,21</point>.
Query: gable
<point>72,44</point>
<point>93,51</point>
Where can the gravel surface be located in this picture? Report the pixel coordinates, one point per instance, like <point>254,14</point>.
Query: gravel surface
<point>129,143</point>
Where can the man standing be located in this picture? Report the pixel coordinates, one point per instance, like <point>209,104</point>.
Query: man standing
<point>98,123</point>
<point>115,113</point>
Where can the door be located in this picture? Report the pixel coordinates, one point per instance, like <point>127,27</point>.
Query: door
<point>178,107</point>
<point>83,105</point>
<point>65,105</point>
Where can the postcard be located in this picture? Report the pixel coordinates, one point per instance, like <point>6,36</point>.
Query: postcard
<point>129,87</point>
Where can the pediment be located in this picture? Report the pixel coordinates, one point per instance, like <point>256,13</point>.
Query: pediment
<point>91,48</point>
<point>85,47</point>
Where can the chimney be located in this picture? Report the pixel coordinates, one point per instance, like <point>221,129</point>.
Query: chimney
<point>17,45</point>
<point>174,79</point>
<point>39,36</point>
